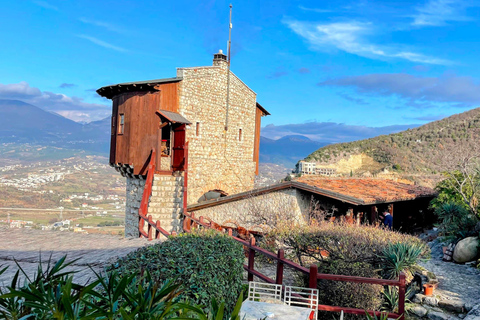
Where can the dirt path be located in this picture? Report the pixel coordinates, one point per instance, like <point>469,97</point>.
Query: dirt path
<point>27,247</point>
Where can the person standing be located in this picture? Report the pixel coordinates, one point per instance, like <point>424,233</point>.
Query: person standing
<point>388,220</point>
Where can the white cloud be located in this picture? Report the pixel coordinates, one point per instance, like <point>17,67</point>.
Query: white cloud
<point>438,12</point>
<point>102,43</point>
<point>103,24</point>
<point>317,10</point>
<point>455,90</point>
<point>352,37</point>
<point>74,108</point>
<point>45,5</point>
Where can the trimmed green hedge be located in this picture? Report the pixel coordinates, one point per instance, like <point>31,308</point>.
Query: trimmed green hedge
<point>207,263</point>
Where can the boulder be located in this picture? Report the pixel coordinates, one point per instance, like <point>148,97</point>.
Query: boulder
<point>431,301</point>
<point>457,306</point>
<point>419,311</point>
<point>418,298</point>
<point>466,250</point>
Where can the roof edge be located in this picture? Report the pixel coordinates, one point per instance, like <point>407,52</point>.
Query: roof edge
<point>112,90</point>
<point>265,112</point>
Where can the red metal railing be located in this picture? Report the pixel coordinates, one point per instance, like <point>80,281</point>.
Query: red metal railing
<point>152,227</point>
<point>312,272</point>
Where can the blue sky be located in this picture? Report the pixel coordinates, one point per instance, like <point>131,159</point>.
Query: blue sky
<point>359,63</point>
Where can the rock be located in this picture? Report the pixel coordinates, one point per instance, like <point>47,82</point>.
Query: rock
<point>473,314</point>
<point>433,315</point>
<point>466,250</point>
<point>462,315</point>
<point>468,307</point>
<point>452,305</point>
<point>431,301</point>
<point>418,311</point>
<point>418,298</point>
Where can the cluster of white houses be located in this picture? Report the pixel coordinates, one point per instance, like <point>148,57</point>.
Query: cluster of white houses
<point>305,167</point>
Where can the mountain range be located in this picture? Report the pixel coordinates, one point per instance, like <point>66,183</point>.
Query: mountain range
<point>24,123</point>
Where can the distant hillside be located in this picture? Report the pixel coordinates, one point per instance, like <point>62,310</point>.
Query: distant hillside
<point>287,150</point>
<point>22,123</point>
<point>423,150</point>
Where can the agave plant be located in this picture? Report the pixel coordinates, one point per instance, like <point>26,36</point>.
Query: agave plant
<point>398,257</point>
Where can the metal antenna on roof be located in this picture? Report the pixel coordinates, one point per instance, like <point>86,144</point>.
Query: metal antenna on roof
<point>228,68</point>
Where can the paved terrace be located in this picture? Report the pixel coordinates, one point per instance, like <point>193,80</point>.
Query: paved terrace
<point>28,246</point>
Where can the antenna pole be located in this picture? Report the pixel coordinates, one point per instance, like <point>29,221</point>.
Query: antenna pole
<point>228,69</point>
<point>229,35</point>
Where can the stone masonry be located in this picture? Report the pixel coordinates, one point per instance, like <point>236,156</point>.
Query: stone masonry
<point>166,201</point>
<point>134,197</point>
<point>273,207</point>
<point>218,159</point>
<point>165,205</point>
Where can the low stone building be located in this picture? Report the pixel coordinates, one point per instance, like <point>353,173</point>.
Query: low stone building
<point>336,199</point>
<point>208,109</point>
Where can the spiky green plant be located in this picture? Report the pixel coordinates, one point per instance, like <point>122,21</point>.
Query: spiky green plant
<point>398,257</point>
<point>382,316</point>
<point>53,294</point>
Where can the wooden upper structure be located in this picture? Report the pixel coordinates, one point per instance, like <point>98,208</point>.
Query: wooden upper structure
<point>145,116</point>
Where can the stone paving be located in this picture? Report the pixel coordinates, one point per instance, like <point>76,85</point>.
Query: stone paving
<point>457,281</point>
<point>94,251</point>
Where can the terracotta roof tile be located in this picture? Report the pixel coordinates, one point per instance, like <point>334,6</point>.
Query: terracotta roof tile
<point>370,191</point>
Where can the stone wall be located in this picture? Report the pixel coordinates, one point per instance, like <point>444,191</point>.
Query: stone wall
<point>218,159</point>
<point>267,209</point>
<point>134,197</point>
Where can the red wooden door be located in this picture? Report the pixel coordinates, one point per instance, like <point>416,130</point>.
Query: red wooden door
<point>178,155</point>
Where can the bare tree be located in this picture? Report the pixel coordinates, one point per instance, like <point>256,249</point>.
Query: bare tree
<point>463,175</point>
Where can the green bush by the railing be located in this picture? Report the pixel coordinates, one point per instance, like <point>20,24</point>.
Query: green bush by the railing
<point>209,264</point>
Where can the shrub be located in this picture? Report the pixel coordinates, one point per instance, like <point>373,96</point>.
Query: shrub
<point>456,221</point>
<point>209,264</point>
<point>348,250</point>
<point>349,294</point>
<point>349,243</point>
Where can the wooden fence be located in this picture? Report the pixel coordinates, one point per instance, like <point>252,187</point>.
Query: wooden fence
<point>312,272</point>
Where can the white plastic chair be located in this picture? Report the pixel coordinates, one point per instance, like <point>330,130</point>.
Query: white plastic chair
<point>265,292</point>
<point>302,297</point>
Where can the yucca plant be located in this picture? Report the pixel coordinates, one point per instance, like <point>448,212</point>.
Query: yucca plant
<point>398,257</point>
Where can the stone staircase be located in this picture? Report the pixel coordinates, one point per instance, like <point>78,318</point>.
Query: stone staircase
<point>166,201</point>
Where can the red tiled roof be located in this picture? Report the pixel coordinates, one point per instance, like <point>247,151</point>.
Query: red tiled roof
<point>368,191</point>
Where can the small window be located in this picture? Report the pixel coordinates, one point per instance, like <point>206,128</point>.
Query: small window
<point>240,135</point>
<point>121,124</point>
<point>198,129</point>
